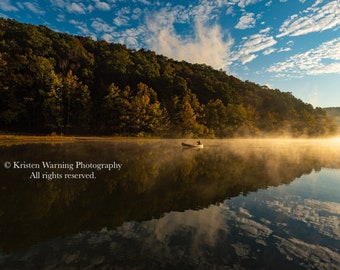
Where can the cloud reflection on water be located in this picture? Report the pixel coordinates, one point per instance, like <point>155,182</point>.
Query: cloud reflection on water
<point>238,233</point>
<point>273,223</point>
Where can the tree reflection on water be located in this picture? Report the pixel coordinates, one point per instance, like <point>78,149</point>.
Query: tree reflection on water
<point>197,208</point>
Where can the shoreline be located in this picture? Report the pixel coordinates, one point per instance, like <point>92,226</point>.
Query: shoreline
<point>17,139</point>
<point>12,139</point>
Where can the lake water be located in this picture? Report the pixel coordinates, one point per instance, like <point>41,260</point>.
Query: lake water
<point>149,204</point>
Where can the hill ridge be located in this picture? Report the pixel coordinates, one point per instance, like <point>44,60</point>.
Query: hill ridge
<point>56,82</point>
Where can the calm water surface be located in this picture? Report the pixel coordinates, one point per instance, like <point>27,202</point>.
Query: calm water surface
<point>236,204</point>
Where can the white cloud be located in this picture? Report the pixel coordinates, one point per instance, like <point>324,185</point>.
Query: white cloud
<point>58,3</point>
<point>333,68</point>
<point>121,21</point>
<point>145,2</point>
<point>317,2</point>
<point>207,45</point>
<point>122,16</point>
<point>324,59</point>
<point>100,26</point>
<point>7,6</point>
<point>247,58</point>
<point>205,11</point>
<point>269,51</point>
<point>251,45</point>
<point>90,8</point>
<point>82,26</point>
<point>60,18</point>
<point>287,49</point>
<point>108,37</point>
<point>318,19</point>
<point>269,3</point>
<point>246,21</point>
<point>230,10</point>
<point>76,8</point>
<point>33,7</point>
<point>131,37</point>
<point>244,3</point>
<point>241,3</point>
<point>102,5</point>
<point>290,43</point>
<point>72,7</point>
<point>265,31</point>
<point>136,13</point>
<point>130,42</point>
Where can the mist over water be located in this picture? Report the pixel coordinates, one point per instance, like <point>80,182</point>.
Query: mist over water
<point>238,203</point>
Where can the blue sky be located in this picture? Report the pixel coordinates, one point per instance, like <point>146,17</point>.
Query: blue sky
<point>291,45</point>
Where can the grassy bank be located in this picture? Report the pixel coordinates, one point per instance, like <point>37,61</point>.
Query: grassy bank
<point>13,139</point>
<point>7,140</point>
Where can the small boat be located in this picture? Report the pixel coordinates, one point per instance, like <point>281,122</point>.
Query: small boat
<point>192,145</point>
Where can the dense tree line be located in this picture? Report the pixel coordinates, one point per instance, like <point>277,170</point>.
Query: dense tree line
<point>55,82</point>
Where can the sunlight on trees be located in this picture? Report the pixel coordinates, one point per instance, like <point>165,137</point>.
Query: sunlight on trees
<point>54,82</point>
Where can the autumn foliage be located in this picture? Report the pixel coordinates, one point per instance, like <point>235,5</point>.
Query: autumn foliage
<point>55,82</point>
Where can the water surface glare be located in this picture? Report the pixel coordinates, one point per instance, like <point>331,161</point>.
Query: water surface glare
<point>150,204</point>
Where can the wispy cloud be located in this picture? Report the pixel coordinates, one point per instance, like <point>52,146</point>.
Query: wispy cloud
<point>254,43</point>
<point>60,18</point>
<point>33,7</point>
<point>136,13</point>
<point>122,16</point>
<point>84,29</point>
<point>317,19</point>
<point>58,3</point>
<point>145,2</point>
<point>204,11</point>
<point>7,6</point>
<point>100,25</point>
<point>121,21</point>
<point>132,37</point>
<point>324,59</point>
<point>269,51</point>
<point>286,49</point>
<point>76,7</point>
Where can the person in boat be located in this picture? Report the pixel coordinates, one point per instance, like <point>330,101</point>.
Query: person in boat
<point>199,142</point>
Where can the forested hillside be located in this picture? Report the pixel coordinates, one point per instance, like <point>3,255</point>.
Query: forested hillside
<point>55,82</point>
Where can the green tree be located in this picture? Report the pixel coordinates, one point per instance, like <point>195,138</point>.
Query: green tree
<point>241,120</point>
<point>216,117</point>
<point>117,108</point>
<point>76,104</point>
<point>53,105</point>
<point>188,115</point>
<point>147,114</point>
<point>146,65</point>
